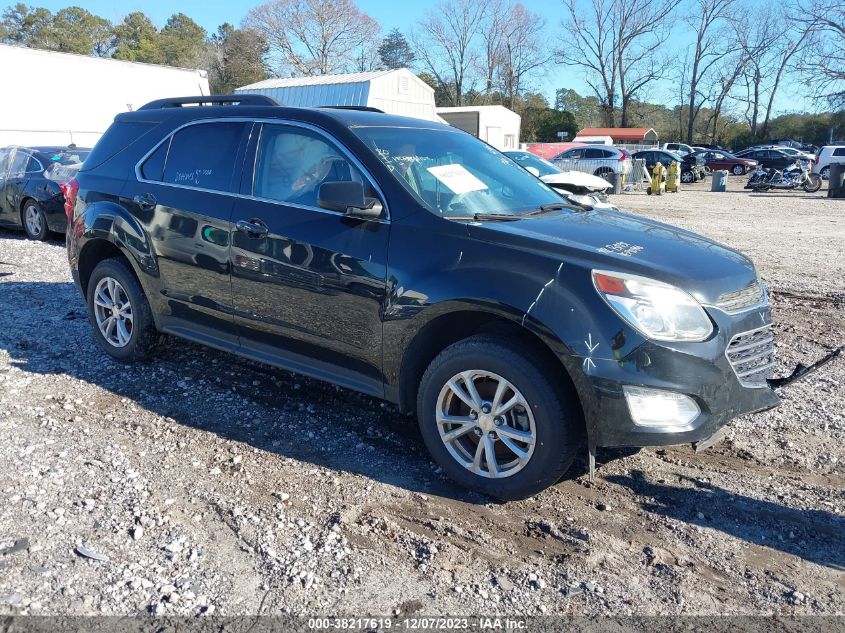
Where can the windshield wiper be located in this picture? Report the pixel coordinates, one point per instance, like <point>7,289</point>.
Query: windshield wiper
<point>480,217</point>
<point>546,208</point>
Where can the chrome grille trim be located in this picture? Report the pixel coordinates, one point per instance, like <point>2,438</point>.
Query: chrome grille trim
<point>741,300</point>
<point>752,356</point>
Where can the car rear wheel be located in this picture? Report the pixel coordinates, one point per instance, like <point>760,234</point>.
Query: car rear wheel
<point>825,173</point>
<point>34,221</point>
<point>738,170</point>
<point>119,312</point>
<point>603,172</point>
<point>494,421</point>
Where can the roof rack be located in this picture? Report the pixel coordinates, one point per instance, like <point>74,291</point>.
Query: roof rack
<point>240,99</point>
<point>351,107</point>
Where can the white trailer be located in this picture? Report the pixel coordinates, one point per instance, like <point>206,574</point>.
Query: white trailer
<point>397,91</point>
<point>494,124</point>
<point>83,94</point>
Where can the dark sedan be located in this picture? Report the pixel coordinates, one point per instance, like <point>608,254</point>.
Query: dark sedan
<point>768,158</point>
<point>30,194</point>
<point>715,159</point>
<point>692,168</point>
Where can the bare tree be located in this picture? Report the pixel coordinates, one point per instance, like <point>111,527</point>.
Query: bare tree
<point>825,68</point>
<point>641,26</point>
<point>446,42</point>
<point>493,37</point>
<point>616,45</point>
<point>591,46</point>
<point>523,52</point>
<point>756,44</point>
<point>725,77</point>
<point>708,20</point>
<point>313,37</point>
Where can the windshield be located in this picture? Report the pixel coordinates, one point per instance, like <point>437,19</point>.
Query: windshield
<point>526,160</point>
<point>454,174</point>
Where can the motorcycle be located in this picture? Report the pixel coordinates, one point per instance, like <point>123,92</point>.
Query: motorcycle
<point>796,175</point>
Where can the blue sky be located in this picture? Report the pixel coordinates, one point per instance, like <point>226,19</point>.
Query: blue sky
<point>390,14</point>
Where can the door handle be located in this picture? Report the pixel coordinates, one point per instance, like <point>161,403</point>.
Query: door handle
<point>146,202</point>
<point>253,228</point>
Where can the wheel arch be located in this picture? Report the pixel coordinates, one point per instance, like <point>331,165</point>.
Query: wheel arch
<point>457,321</point>
<point>106,229</point>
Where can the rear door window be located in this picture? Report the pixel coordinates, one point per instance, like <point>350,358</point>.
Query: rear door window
<point>202,156</point>
<point>839,151</point>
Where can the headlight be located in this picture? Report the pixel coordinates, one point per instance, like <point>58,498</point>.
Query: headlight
<point>657,310</point>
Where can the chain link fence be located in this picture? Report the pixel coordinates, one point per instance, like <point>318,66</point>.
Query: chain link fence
<point>634,170</point>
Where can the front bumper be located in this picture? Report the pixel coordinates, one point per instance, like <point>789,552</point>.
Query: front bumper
<point>699,370</point>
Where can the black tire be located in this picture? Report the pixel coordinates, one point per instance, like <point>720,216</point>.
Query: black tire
<point>558,422</point>
<point>143,336</point>
<point>813,184</point>
<point>825,173</point>
<point>687,177</point>
<point>603,172</point>
<point>41,231</point>
<point>738,170</point>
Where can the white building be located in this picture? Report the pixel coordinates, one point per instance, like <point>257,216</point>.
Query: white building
<point>83,94</point>
<point>495,124</point>
<point>398,92</point>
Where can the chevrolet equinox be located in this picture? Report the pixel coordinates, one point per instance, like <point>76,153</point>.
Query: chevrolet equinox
<point>410,261</point>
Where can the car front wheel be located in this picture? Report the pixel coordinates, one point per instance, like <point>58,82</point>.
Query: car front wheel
<point>738,170</point>
<point>686,176</point>
<point>119,312</point>
<point>494,421</point>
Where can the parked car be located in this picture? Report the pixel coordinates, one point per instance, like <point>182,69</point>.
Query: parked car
<point>827,155</point>
<point>712,146</point>
<point>410,261</point>
<point>679,148</point>
<point>788,142</point>
<point>692,169</point>
<point>717,160</point>
<point>599,160</point>
<point>30,187</point>
<point>768,158</point>
<point>791,151</point>
<point>578,187</point>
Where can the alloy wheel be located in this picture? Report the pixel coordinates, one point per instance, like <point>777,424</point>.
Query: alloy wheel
<point>113,312</point>
<point>486,424</point>
<point>33,219</point>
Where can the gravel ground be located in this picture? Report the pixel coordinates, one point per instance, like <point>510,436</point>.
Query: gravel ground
<point>202,483</point>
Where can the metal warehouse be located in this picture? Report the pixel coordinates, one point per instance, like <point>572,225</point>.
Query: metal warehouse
<point>397,91</point>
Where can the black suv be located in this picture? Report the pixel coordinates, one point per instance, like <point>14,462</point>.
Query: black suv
<point>408,260</point>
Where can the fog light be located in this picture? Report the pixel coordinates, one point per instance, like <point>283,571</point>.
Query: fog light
<point>665,410</point>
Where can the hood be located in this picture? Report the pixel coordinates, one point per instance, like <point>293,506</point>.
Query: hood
<point>613,240</point>
<point>577,179</point>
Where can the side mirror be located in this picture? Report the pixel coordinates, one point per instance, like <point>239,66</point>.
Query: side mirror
<point>348,197</point>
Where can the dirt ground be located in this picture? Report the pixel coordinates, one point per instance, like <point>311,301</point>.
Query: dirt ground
<point>202,483</point>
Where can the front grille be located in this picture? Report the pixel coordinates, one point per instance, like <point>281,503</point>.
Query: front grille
<point>752,356</point>
<point>750,296</point>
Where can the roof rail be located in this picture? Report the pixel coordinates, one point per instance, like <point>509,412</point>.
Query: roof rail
<point>351,107</point>
<point>239,99</point>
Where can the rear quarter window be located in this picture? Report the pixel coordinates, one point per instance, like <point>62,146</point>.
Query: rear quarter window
<point>118,137</point>
<point>839,151</point>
